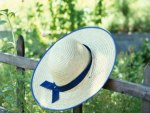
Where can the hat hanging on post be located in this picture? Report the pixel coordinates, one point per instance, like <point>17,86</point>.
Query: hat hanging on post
<point>74,69</point>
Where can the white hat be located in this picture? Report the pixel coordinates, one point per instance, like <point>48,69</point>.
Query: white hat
<point>74,69</point>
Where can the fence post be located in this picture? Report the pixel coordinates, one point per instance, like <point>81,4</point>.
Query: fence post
<point>77,109</point>
<point>20,90</point>
<point>3,110</point>
<point>145,103</point>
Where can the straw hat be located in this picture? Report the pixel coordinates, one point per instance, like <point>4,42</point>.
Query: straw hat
<point>74,69</point>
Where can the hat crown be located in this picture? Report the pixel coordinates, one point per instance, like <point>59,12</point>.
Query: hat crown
<point>66,60</point>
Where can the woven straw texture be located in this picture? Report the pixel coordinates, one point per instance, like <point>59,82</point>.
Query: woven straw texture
<point>67,59</point>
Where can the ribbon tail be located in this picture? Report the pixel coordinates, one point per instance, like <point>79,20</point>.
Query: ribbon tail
<point>47,85</point>
<point>55,95</point>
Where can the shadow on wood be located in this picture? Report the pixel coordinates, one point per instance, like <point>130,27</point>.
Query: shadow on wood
<point>20,90</point>
<point>77,109</point>
<point>3,110</point>
<point>146,103</point>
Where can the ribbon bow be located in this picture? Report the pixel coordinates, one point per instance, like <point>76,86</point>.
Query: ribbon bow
<point>54,88</point>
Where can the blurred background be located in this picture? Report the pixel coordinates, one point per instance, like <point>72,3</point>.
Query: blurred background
<point>41,23</point>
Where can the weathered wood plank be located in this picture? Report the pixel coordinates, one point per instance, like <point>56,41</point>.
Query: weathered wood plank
<point>128,88</point>
<point>121,86</point>
<point>18,61</point>
<point>3,110</point>
<point>145,103</point>
<point>78,109</point>
<point>20,89</point>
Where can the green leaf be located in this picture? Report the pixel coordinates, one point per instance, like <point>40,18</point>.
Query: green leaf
<point>11,14</point>
<point>4,10</point>
<point>11,43</point>
<point>2,22</point>
<point>1,14</point>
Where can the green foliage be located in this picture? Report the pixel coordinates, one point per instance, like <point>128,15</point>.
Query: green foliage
<point>65,17</point>
<point>123,6</point>
<point>109,102</point>
<point>8,14</point>
<point>39,8</point>
<point>146,51</point>
<point>98,13</point>
<point>125,17</point>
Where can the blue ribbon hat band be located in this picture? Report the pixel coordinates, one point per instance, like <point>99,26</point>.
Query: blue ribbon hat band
<point>57,89</point>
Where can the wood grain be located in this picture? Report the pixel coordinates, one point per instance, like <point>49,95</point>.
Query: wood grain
<point>129,88</point>
<point>78,109</point>
<point>20,90</point>
<point>18,61</point>
<point>3,110</point>
<point>146,103</point>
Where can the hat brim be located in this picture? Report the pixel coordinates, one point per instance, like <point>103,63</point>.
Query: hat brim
<point>103,50</point>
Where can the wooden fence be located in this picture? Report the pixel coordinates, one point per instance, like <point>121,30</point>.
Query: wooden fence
<point>137,90</point>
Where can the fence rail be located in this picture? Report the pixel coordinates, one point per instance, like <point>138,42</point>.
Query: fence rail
<point>112,84</point>
<point>18,61</point>
<point>137,90</point>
